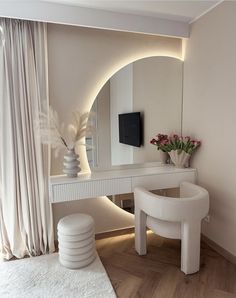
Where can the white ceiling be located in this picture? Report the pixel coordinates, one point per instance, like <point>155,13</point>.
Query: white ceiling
<point>185,11</point>
<point>166,18</point>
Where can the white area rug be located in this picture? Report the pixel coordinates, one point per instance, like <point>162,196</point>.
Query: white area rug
<point>44,277</point>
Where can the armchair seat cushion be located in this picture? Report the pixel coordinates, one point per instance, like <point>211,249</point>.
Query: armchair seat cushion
<point>168,229</point>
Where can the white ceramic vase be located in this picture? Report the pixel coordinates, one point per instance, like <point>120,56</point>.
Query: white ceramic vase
<point>71,163</point>
<point>179,158</point>
<point>164,157</point>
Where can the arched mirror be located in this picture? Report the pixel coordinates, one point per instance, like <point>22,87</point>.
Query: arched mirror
<point>142,99</point>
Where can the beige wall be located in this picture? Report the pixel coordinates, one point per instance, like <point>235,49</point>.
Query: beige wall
<point>80,62</point>
<point>210,115</point>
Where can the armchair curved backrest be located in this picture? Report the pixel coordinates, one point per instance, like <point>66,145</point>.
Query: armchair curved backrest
<point>193,203</point>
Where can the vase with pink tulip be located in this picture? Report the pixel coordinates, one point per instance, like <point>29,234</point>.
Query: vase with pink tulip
<point>178,148</point>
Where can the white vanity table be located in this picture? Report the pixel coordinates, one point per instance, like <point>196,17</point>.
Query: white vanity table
<point>113,182</point>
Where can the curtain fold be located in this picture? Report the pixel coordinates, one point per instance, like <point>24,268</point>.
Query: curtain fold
<point>26,225</point>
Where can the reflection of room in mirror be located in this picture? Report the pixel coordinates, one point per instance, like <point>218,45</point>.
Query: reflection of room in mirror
<point>126,201</point>
<point>151,86</point>
<point>99,154</point>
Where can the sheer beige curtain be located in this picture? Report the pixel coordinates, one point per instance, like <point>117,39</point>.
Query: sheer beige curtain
<point>26,226</point>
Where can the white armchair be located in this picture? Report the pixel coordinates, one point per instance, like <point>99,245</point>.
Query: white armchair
<point>176,218</point>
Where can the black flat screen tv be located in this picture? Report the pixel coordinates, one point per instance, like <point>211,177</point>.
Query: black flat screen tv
<point>130,129</point>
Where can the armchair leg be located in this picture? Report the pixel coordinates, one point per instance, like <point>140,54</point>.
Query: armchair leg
<point>190,247</point>
<point>140,232</point>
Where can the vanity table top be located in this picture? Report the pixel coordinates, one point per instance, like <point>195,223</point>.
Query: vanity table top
<point>121,173</point>
<point>117,181</point>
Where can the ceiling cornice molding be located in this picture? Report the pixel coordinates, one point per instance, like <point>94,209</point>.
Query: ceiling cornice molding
<point>206,11</point>
<point>92,18</point>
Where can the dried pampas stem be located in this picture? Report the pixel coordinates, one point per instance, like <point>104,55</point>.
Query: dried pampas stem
<point>51,131</point>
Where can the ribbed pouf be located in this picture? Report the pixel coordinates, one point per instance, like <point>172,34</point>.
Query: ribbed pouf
<point>76,240</point>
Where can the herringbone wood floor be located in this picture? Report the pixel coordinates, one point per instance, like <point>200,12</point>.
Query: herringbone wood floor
<point>158,273</point>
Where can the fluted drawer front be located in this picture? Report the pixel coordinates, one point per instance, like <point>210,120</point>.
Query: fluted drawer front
<point>89,189</point>
<point>152,182</point>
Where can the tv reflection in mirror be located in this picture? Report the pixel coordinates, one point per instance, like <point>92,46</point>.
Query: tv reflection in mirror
<point>130,129</point>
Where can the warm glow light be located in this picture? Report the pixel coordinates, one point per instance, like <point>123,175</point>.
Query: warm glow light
<point>116,67</point>
<point>184,46</point>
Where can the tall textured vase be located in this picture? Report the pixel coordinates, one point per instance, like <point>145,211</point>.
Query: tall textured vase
<point>71,163</point>
<point>179,158</point>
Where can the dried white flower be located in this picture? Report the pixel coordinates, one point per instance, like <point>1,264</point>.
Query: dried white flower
<point>52,132</point>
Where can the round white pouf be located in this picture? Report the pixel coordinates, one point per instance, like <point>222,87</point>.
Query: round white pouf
<point>76,239</point>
